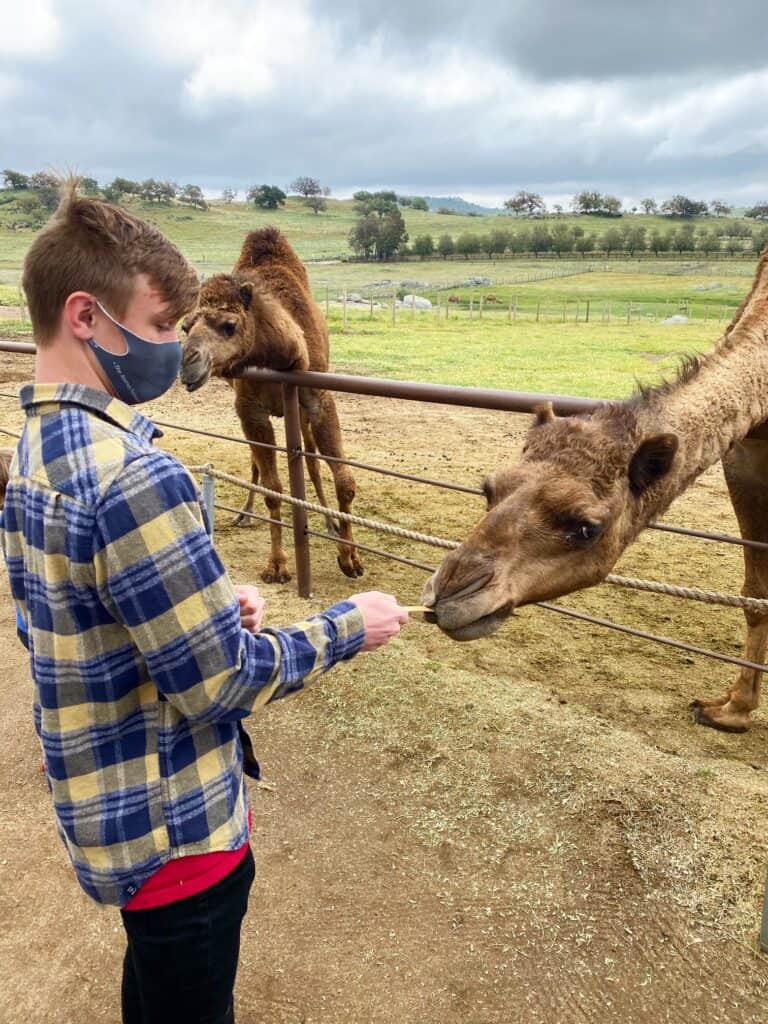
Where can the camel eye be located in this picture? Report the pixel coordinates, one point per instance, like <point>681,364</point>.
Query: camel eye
<point>228,329</point>
<point>581,532</point>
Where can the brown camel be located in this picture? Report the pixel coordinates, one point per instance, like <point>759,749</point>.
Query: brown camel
<point>586,486</point>
<point>6,454</point>
<point>263,314</point>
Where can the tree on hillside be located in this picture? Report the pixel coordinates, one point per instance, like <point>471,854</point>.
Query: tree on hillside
<point>611,241</point>
<point>423,245</point>
<point>659,241</point>
<point>126,187</point>
<point>46,188</point>
<point>266,197</point>
<point>193,195</point>
<point>89,186</point>
<point>634,240</point>
<point>380,203</point>
<point>419,203</point>
<point>757,212</point>
<point>305,186</point>
<point>611,206</point>
<point>541,240</point>
<point>364,235</point>
<point>719,208</point>
<point>228,194</point>
<point>562,239</point>
<point>445,246</point>
<point>649,206</point>
<point>392,234</point>
<point>496,242</point>
<point>153,191</point>
<point>528,203</point>
<point>467,244</point>
<point>707,242</point>
<point>15,179</point>
<point>317,203</point>
<point>587,202</point>
<point>682,206</point>
<point>584,243</point>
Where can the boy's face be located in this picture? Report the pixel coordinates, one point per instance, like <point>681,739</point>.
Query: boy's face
<point>146,315</point>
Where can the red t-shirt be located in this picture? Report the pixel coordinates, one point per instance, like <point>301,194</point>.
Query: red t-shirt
<point>186,876</point>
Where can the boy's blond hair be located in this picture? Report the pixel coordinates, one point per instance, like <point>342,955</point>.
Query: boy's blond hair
<point>92,246</point>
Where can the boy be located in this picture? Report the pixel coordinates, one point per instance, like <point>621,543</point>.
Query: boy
<point>143,655</point>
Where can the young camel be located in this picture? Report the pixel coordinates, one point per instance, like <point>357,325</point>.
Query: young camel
<point>263,314</point>
<point>586,486</point>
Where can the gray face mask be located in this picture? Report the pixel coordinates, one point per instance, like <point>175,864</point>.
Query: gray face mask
<point>145,371</point>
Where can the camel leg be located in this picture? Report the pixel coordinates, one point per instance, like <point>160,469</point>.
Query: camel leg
<point>746,473</point>
<point>257,427</point>
<point>313,468</point>
<point>327,433</point>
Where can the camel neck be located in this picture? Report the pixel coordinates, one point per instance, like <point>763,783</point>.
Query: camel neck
<point>714,403</point>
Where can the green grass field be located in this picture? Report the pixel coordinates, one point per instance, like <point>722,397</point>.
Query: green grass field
<point>533,337</point>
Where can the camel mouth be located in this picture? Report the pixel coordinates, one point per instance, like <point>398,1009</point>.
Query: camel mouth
<point>194,384</point>
<point>486,625</point>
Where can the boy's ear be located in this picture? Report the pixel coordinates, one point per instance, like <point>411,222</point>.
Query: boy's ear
<point>78,314</point>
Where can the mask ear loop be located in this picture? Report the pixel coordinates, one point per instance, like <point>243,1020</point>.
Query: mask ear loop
<point>119,326</point>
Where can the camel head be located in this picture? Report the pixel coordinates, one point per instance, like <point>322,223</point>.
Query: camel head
<point>556,522</point>
<point>236,324</point>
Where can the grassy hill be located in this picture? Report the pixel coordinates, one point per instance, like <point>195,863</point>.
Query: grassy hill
<point>213,237</point>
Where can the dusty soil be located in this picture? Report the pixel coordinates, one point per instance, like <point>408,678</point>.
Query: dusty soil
<point>528,828</point>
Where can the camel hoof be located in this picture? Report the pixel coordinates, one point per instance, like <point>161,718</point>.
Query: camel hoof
<point>241,520</point>
<point>273,574</point>
<point>715,718</point>
<point>352,568</point>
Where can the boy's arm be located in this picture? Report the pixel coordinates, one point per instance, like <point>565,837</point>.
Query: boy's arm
<point>159,575</point>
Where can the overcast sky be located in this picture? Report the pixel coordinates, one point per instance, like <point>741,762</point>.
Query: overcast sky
<point>427,97</point>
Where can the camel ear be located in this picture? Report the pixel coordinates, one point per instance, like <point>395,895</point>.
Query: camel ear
<point>543,413</point>
<point>246,294</point>
<point>652,460</point>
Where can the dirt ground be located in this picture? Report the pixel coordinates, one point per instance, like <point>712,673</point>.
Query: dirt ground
<point>527,828</point>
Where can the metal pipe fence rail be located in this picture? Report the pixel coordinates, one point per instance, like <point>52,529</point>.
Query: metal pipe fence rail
<point>468,397</point>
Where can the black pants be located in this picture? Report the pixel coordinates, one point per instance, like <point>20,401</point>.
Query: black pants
<point>181,960</point>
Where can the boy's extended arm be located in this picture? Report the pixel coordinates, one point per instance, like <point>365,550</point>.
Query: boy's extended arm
<point>159,575</point>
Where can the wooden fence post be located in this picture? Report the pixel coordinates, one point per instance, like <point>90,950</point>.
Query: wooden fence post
<point>296,476</point>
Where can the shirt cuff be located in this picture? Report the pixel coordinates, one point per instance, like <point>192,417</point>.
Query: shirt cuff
<point>349,626</point>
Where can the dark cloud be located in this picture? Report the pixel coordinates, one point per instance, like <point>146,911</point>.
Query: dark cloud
<point>591,39</point>
<point>434,97</point>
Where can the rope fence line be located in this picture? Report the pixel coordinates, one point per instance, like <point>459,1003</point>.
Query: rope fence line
<point>753,604</point>
<point>720,538</point>
<point>546,605</point>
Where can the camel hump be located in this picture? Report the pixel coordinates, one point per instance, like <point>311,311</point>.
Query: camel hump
<point>267,245</point>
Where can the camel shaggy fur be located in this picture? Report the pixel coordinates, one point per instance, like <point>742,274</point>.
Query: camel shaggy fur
<point>263,314</point>
<point>586,486</point>
<point>6,454</point>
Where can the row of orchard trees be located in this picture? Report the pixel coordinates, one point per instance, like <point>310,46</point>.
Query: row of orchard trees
<point>589,201</point>
<point>564,239</point>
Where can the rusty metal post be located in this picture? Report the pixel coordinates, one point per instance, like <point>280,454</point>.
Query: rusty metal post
<point>296,477</point>
<point>764,923</point>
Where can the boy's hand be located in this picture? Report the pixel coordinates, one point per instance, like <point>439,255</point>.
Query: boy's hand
<point>382,615</point>
<point>252,606</point>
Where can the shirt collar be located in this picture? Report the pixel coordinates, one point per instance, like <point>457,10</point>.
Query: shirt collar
<point>100,402</point>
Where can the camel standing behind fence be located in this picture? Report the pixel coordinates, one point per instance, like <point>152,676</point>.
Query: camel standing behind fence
<point>586,486</point>
<point>263,314</point>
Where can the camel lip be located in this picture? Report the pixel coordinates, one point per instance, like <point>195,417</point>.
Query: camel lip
<point>484,626</point>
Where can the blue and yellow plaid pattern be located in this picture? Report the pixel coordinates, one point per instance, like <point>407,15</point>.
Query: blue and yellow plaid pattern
<point>140,666</point>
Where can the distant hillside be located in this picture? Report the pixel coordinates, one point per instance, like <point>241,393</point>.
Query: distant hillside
<point>459,205</point>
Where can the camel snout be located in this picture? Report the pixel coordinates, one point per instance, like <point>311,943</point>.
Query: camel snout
<point>195,368</point>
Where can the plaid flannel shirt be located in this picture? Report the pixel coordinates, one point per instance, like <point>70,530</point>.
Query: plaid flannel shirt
<point>141,668</point>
